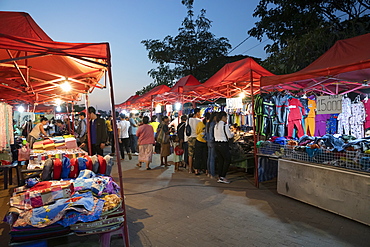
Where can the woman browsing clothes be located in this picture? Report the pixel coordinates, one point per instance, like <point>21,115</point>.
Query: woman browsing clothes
<point>222,135</point>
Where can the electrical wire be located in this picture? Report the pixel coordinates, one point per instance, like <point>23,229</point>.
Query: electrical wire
<point>255,46</point>
<point>190,185</point>
<point>238,45</point>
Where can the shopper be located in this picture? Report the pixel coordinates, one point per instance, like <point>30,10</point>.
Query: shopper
<point>200,152</point>
<point>26,129</point>
<point>145,134</point>
<point>222,135</point>
<point>61,128</point>
<point>37,131</point>
<point>181,136</point>
<point>154,123</point>
<point>132,133</point>
<point>210,138</point>
<point>124,138</point>
<point>108,122</point>
<point>98,133</point>
<point>163,137</point>
<point>193,122</point>
<point>81,130</point>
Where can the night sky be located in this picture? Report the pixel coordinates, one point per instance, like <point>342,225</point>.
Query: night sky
<point>125,23</point>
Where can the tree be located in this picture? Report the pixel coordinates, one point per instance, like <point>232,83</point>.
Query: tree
<point>182,55</point>
<point>303,30</point>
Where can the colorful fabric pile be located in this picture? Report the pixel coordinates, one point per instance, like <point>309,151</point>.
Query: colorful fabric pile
<point>90,203</point>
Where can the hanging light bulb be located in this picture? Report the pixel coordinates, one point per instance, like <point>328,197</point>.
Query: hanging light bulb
<point>59,108</point>
<point>58,101</point>
<point>21,108</point>
<point>177,106</point>
<point>66,87</point>
<point>242,95</point>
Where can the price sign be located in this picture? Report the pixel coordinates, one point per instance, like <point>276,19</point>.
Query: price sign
<point>329,104</point>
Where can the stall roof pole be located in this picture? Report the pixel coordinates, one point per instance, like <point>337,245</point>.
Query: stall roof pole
<point>115,133</point>
<point>254,135</point>
<point>88,123</point>
<point>73,119</point>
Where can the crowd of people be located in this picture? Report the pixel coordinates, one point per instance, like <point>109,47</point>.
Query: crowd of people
<point>198,144</point>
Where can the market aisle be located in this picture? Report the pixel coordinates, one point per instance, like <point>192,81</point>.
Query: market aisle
<point>180,209</point>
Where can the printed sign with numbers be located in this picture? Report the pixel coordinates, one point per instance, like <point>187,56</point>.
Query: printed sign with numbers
<point>329,104</point>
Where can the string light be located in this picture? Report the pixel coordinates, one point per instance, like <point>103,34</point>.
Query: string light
<point>21,108</point>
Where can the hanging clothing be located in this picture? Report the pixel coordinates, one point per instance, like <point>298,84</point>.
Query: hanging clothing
<point>296,112</point>
<point>258,110</point>
<point>268,115</point>
<point>304,102</point>
<point>343,118</point>
<point>366,103</point>
<point>281,107</point>
<point>320,122</point>
<point>331,124</point>
<point>6,126</point>
<point>357,120</point>
<point>310,120</point>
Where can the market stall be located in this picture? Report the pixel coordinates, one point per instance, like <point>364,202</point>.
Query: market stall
<point>240,78</point>
<point>37,70</point>
<point>314,123</point>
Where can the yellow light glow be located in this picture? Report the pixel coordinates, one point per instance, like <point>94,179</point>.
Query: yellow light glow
<point>66,86</point>
<point>242,95</point>
<point>58,101</point>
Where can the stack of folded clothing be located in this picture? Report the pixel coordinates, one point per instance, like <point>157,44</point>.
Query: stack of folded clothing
<point>71,142</point>
<point>38,145</point>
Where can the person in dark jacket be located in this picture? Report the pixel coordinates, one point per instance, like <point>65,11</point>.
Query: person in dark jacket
<point>98,133</point>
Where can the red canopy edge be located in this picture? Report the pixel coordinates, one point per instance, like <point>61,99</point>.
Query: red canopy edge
<point>345,66</point>
<point>145,100</point>
<point>230,80</point>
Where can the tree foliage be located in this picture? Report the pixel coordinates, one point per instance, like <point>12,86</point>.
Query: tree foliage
<point>184,54</point>
<point>303,30</point>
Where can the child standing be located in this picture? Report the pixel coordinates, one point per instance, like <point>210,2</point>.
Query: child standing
<point>178,152</point>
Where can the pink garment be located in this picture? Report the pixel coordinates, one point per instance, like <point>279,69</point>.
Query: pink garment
<point>145,134</point>
<point>367,113</point>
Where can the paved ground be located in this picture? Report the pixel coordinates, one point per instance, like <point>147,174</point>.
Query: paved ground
<point>180,209</point>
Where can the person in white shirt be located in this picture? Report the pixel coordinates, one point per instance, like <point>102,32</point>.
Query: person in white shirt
<point>124,137</point>
<point>222,135</point>
<point>193,122</point>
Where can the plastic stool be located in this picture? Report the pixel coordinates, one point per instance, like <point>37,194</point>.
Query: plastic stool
<point>105,237</point>
<point>8,174</point>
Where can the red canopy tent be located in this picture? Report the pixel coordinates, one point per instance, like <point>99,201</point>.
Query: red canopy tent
<point>230,80</point>
<point>127,103</point>
<point>176,94</point>
<point>33,69</point>
<point>145,100</point>
<point>345,67</point>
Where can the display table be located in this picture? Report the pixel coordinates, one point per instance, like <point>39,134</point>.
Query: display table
<point>340,191</point>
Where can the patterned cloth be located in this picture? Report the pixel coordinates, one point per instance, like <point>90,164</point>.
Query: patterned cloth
<point>41,194</point>
<point>145,152</point>
<point>357,120</point>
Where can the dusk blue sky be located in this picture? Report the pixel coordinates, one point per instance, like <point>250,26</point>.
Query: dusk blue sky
<point>125,23</point>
